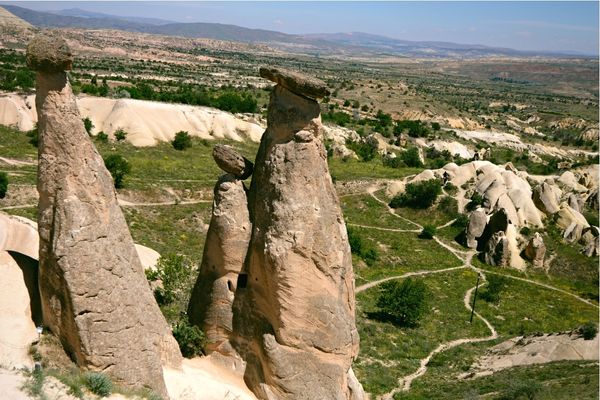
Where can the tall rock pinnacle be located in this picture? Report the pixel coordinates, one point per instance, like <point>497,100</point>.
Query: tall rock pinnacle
<point>294,316</point>
<point>224,253</point>
<point>95,297</point>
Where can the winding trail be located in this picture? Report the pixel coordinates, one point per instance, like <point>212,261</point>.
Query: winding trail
<point>404,383</point>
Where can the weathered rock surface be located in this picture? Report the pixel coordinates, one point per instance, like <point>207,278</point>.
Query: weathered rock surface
<point>296,82</point>
<point>572,222</point>
<point>590,238</point>
<point>546,197</point>
<point>295,319</point>
<point>230,161</point>
<point>224,254</point>
<point>95,297</point>
<point>49,53</point>
<point>536,250</point>
<point>497,250</point>
<point>477,223</point>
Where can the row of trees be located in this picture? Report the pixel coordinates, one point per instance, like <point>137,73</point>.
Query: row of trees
<point>228,99</point>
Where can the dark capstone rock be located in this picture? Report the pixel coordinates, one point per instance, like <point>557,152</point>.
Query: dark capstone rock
<point>49,53</point>
<point>229,160</point>
<point>296,82</point>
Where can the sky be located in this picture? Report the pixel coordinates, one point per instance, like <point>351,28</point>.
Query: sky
<point>539,25</point>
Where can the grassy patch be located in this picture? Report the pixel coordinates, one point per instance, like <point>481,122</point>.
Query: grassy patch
<point>177,229</point>
<point>389,352</point>
<point>558,380</point>
<point>550,311</point>
<point>365,210</point>
<point>401,252</point>
<point>352,169</point>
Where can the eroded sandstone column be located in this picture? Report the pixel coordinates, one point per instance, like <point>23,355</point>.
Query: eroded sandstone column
<point>95,297</point>
<point>224,253</point>
<point>296,316</point>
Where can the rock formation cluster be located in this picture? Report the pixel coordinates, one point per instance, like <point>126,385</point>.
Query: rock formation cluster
<point>525,201</point>
<point>94,294</point>
<point>276,274</point>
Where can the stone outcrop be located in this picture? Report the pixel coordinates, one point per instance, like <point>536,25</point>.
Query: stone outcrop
<point>547,197</point>
<point>295,82</point>
<point>590,239</point>
<point>497,250</point>
<point>476,226</point>
<point>224,254</point>
<point>294,319</point>
<point>232,162</point>
<point>572,222</point>
<point>95,297</point>
<point>536,250</point>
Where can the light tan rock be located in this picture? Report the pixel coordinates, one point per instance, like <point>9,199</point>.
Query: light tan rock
<point>572,222</point>
<point>224,254</point>
<point>477,223</point>
<point>95,297</point>
<point>547,198</point>
<point>536,250</point>
<point>296,317</point>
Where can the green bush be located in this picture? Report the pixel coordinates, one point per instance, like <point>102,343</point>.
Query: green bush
<point>428,232</point>
<point>418,195</point>
<point>177,275</point>
<point>449,206</point>
<point>182,141</point>
<point>120,134</point>
<point>496,284</point>
<point>118,167</point>
<point>476,201</point>
<point>98,383</point>
<point>414,128</point>
<point>411,158</point>
<point>3,184</point>
<point>365,151</point>
<point>368,253</point>
<point>521,389</point>
<point>589,330</point>
<point>190,338</point>
<point>88,125</point>
<point>461,221</point>
<point>403,301</point>
<point>102,137</point>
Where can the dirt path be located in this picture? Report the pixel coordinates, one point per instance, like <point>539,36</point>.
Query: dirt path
<point>16,163</point>
<point>384,229</point>
<point>125,203</point>
<point>404,383</point>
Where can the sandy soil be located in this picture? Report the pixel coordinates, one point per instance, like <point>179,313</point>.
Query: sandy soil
<point>146,122</point>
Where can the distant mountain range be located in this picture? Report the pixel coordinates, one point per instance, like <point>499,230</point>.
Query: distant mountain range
<point>355,43</point>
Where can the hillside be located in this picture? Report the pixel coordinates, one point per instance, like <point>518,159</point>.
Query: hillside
<point>339,43</point>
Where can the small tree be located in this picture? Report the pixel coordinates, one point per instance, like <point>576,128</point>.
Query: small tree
<point>428,232</point>
<point>182,141</point>
<point>411,157</point>
<point>3,184</point>
<point>190,338</point>
<point>418,195</point>
<point>589,330</point>
<point>118,167</point>
<point>120,134</point>
<point>88,125</point>
<point>102,137</point>
<point>403,301</point>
